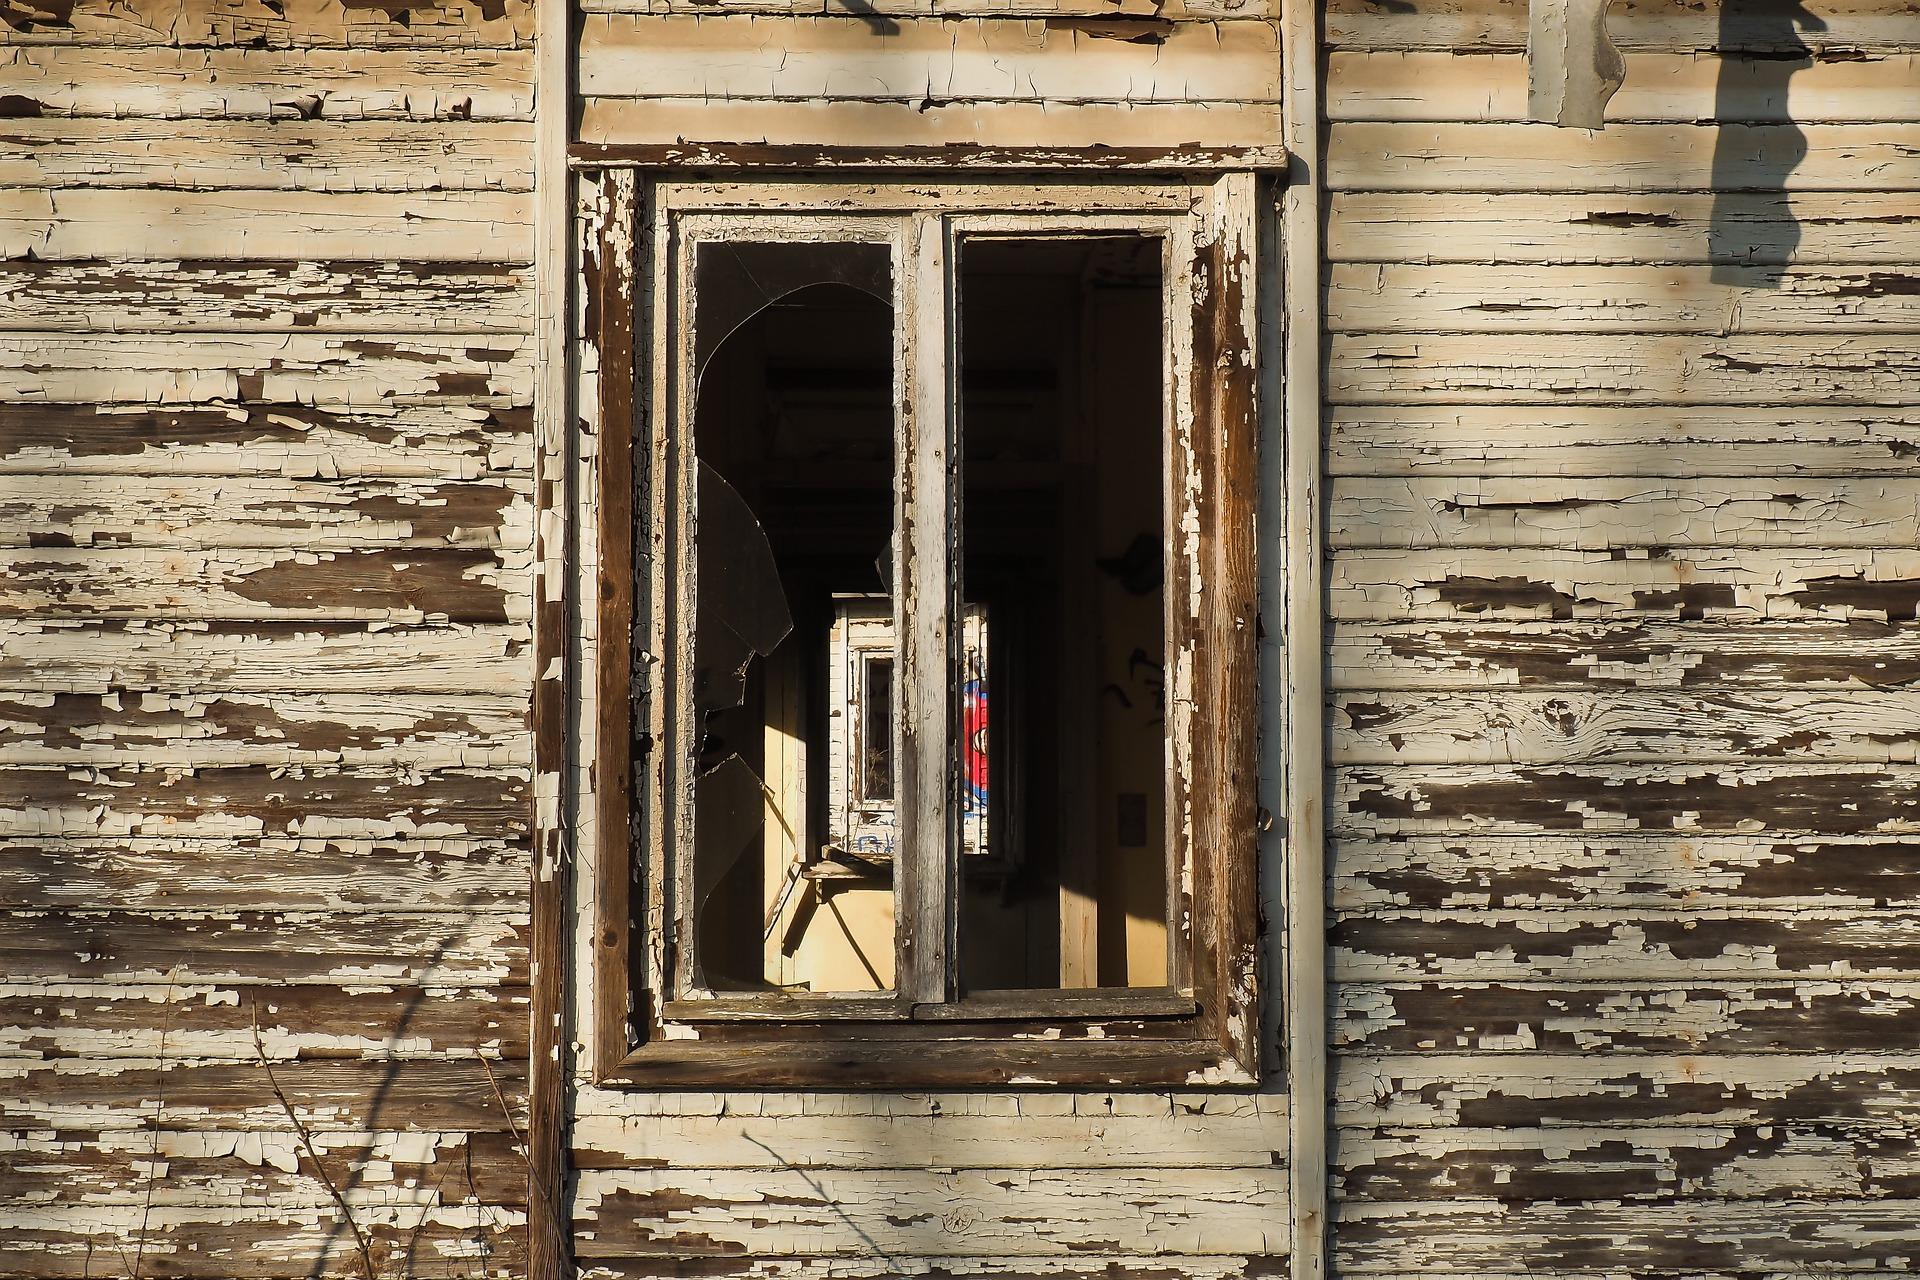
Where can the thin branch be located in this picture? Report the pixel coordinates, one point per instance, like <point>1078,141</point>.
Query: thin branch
<point>313,1155</point>
<point>159,1116</point>
<point>537,1187</point>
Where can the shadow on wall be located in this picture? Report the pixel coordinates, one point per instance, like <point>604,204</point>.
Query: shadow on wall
<point>1753,223</point>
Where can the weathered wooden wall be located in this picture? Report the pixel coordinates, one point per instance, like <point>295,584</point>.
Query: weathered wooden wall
<point>1623,651</point>
<point>852,1184</point>
<point>264,500</point>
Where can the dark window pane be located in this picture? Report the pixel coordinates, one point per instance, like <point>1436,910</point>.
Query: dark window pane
<point>793,431</point>
<point>1063,424</point>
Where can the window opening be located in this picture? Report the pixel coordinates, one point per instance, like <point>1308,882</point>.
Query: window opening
<point>1063,429</point>
<point>794,496</point>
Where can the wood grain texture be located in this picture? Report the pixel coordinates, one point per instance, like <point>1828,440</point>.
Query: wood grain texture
<point>1652,653</point>
<point>1529,299</point>
<point>916,59</point>
<point>695,1213</point>
<point>82,222</point>
<point>1767,26</point>
<point>1606,513</point>
<point>1732,228</point>
<point>1674,87</point>
<point>290,296</point>
<point>262,24</point>
<point>212,82</point>
<point>231,730</point>
<point>1394,156</point>
<point>101,656</point>
<point>367,155</point>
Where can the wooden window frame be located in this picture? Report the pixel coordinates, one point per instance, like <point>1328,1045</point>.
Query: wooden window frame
<point>1204,1028</point>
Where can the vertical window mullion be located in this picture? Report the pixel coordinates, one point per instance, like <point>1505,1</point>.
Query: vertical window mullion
<point>925,574</point>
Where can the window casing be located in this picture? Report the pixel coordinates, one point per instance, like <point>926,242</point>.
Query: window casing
<point>905,655</point>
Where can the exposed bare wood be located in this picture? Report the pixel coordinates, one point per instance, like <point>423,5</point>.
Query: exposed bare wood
<point>1736,229</point>
<point>387,297</point>
<point>1604,440</point>
<point>1857,653</point>
<point>1660,86</point>
<point>79,511</point>
<point>1632,158</point>
<point>372,155</point>
<point>233,729</point>
<point>173,83</point>
<point>260,24</point>
<point>689,1213</point>
<point>455,441</point>
<point>1165,136</point>
<point>397,585</point>
<point>81,222</point>
<point>301,368</point>
<point>1574,68</point>
<point>298,1022</point>
<point>1762,26</point>
<point>1522,298</point>
<point>1604,513</point>
<point>226,874</point>
<point>98,656</point>
<point>917,59</point>
<point>1511,727</point>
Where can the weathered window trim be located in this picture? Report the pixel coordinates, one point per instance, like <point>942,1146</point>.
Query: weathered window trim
<point>1204,1029</point>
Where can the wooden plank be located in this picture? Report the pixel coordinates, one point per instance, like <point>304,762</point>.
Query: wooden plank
<point>1689,1235</point>
<point>1168,1136</point>
<point>1674,1163</point>
<point>259,513</point>
<point>304,1022</point>
<point>361,803</point>
<point>267,24</point>
<point>471,226</point>
<point>1058,133</point>
<point>1605,440</point>
<point>1521,298</point>
<point>701,1213</point>
<point>318,369</point>
<point>1681,1017</point>
<point>1154,12</point>
<point>1395,156</point>
<point>317,297</point>
<point>1515,727</point>
<point>264,948</point>
<point>1778,26</point>
<point>1550,583</point>
<point>272,585</point>
<point>182,1092</point>
<point>1793,799</point>
<point>1624,368</point>
<point>98,656</point>
<point>1595,946</point>
<point>919,59</point>
<point>417,1170</point>
<point>260,1242</point>
<point>142,511</point>
<point>898,1267</point>
<point>1630,871</point>
<point>1736,228</point>
<point>1677,87</point>
<point>233,730</point>
<point>186,874</point>
<point>365,155</point>
<point>881,1107</point>
<point>1647,653</point>
<point>425,440</point>
<point>171,83</point>
<point>1581,1090</point>
<point>1601,514</point>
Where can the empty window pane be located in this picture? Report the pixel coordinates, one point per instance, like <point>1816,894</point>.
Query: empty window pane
<point>1063,424</point>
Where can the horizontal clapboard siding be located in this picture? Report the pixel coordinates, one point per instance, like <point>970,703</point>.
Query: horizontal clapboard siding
<point>265,505</point>
<point>1619,664</point>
